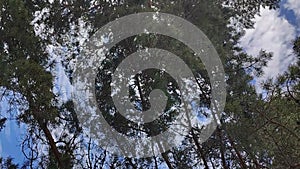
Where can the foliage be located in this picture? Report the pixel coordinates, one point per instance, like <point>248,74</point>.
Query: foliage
<point>256,131</point>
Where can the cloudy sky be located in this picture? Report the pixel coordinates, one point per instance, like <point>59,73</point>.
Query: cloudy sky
<point>274,32</point>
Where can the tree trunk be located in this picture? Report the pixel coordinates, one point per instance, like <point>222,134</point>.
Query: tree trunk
<point>51,141</point>
<point>242,162</point>
<point>222,148</point>
<point>201,153</point>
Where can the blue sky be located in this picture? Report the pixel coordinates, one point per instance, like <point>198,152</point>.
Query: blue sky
<point>288,13</point>
<point>274,31</point>
<point>11,135</point>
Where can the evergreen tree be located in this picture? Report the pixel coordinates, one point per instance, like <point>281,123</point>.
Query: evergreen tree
<point>255,131</point>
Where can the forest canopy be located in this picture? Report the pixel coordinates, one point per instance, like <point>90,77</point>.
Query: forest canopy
<point>41,42</point>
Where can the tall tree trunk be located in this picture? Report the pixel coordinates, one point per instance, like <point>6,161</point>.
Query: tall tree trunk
<point>240,157</point>
<point>200,151</point>
<point>140,92</point>
<point>166,158</point>
<point>53,147</point>
<point>222,148</point>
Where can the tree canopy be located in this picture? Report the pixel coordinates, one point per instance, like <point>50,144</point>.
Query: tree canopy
<point>38,37</point>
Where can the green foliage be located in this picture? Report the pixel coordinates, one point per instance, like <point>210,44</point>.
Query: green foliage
<point>256,131</point>
<point>2,123</point>
<point>8,163</point>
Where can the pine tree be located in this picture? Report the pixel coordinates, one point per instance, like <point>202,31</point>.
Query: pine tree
<point>237,143</point>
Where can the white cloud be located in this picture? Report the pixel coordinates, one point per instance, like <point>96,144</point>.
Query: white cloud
<point>272,33</point>
<point>62,85</point>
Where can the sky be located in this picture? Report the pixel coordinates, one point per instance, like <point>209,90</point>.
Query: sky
<point>274,32</point>
<point>11,135</point>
